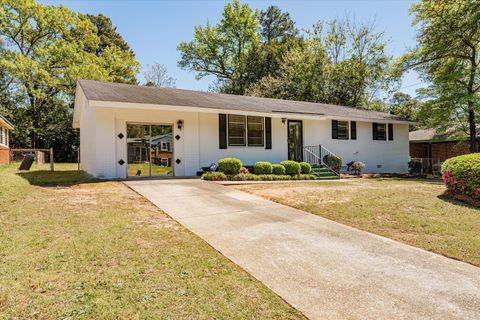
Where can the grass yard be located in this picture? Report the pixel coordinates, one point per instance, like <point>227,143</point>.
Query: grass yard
<point>144,168</point>
<point>409,211</point>
<point>72,248</point>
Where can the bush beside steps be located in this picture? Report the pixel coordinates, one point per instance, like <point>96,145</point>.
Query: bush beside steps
<point>232,169</point>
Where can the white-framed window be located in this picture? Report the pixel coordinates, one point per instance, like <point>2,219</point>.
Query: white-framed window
<point>340,130</point>
<point>255,131</point>
<point>165,146</point>
<point>2,136</point>
<point>343,130</point>
<point>246,131</point>
<point>237,130</point>
<point>379,131</point>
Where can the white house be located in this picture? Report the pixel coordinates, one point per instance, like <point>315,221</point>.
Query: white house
<point>5,127</point>
<point>120,125</point>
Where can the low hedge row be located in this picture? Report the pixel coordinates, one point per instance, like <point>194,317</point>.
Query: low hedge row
<point>262,168</point>
<point>229,165</point>
<point>291,167</point>
<point>278,169</point>
<point>461,175</point>
<point>232,166</point>
<point>220,176</point>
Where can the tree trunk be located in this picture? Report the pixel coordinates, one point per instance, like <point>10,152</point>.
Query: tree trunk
<point>473,130</point>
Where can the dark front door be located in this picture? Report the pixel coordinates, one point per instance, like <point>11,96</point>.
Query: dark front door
<point>295,140</point>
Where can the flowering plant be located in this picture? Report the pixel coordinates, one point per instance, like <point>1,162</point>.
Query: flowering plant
<point>244,170</point>
<point>461,175</point>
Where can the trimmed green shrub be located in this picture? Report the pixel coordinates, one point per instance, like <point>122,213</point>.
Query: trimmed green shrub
<point>270,177</point>
<point>291,167</point>
<point>355,166</point>
<point>244,177</point>
<point>229,165</point>
<point>278,169</point>
<point>305,167</point>
<point>415,166</point>
<point>333,162</point>
<point>461,175</point>
<point>262,168</point>
<point>214,176</point>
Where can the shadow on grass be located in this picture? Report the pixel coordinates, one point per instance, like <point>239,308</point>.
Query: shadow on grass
<point>459,202</point>
<point>46,178</point>
<point>399,179</point>
<point>423,180</point>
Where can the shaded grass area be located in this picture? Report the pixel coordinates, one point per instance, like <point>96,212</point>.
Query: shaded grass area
<point>408,210</point>
<point>89,249</point>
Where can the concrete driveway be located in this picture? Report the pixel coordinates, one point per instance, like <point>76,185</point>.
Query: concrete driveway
<point>324,269</point>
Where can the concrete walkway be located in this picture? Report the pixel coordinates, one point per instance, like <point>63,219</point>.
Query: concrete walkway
<point>324,269</point>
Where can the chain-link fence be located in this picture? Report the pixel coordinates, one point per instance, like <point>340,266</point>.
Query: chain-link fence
<point>40,156</point>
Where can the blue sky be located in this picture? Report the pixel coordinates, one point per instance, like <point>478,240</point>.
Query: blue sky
<point>153,29</point>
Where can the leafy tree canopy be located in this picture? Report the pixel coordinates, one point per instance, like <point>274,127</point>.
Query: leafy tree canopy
<point>223,50</point>
<point>46,48</point>
<point>263,54</point>
<point>340,62</point>
<point>276,25</point>
<point>447,56</point>
<point>111,43</point>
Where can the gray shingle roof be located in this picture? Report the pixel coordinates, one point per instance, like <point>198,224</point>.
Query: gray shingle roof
<point>454,133</point>
<point>116,92</point>
<point>4,120</point>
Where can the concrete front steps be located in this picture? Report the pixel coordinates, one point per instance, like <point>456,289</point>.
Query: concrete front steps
<point>323,173</point>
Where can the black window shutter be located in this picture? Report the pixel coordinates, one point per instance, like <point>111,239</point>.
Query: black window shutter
<point>222,130</point>
<point>353,130</point>
<point>334,129</point>
<point>375,131</point>
<point>390,132</point>
<point>268,133</point>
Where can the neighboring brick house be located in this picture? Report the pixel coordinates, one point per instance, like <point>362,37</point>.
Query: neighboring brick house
<point>430,144</point>
<point>5,127</point>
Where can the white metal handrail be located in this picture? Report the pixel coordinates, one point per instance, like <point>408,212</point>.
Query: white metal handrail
<point>316,154</point>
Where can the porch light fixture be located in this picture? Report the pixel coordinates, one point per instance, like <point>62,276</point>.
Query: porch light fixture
<point>284,120</point>
<point>179,124</point>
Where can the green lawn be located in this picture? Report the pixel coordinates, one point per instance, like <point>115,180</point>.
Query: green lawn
<point>144,168</point>
<point>410,211</point>
<point>73,247</point>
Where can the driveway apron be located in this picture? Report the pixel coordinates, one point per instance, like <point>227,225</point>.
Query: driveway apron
<point>324,269</point>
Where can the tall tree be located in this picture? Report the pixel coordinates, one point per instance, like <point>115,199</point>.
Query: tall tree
<point>403,105</point>
<point>340,62</point>
<point>156,75</point>
<point>112,45</point>
<point>278,35</point>
<point>46,49</point>
<point>276,25</point>
<point>448,57</point>
<point>244,47</point>
<point>224,50</point>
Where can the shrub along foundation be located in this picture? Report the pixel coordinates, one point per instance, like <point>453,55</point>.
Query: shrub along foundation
<point>231,169</point>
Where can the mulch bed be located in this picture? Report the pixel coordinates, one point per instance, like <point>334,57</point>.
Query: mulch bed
<point>462,198</point>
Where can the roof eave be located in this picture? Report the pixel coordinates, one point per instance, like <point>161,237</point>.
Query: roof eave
<point>273,113</point>
<point>5,123</point>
